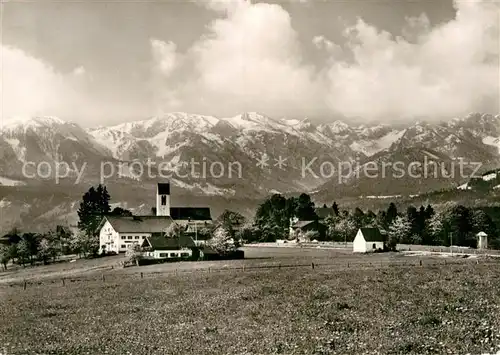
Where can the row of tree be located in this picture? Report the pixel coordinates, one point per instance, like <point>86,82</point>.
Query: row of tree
<point>29,248</point>
<point>452,224</point>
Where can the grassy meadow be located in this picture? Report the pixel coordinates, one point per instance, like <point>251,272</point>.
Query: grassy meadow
<point>429,309</point>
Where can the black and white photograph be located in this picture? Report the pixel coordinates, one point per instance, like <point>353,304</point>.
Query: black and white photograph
<point>207,177</point>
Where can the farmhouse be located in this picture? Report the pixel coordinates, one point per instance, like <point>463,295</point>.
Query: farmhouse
<point>117,233</point>
<point>302,227</point>
<point>367,240</point>
<point>159,247</point>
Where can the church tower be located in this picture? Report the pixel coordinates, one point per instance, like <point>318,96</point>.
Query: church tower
<point>163,199</point>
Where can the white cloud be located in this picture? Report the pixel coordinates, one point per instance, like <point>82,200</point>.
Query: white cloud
<point>446,71</point>
<point>250,59</point>
<point>224,5</point>
<point>79,71</point>
<point>30,86</point>
<point>323,43</point>
<point>165,55</point>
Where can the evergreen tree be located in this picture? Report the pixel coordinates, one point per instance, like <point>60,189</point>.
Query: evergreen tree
<point>358,217</point>
<point>335,208</point>
<point>429,212</point>
<point>460,224</point>
<point>94,205</point>
<point>391,214</point>
<point>305,208</point>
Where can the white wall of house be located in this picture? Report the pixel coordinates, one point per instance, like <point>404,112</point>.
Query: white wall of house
<point>109,238</point>
<point>482,242</point>
<point>118,242</point>
<point>168,254</point>
<point>378,245</point>
<point>126,240</point>
<point>359,243</point>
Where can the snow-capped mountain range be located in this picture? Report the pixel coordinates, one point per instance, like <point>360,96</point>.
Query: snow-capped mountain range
<point>248,139</point>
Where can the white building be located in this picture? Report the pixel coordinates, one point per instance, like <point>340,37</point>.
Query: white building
<point>368,240</point>
<point>117,233</point>
<point>482,240</point>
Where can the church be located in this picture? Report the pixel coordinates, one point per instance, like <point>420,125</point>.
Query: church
<point>118,233</point>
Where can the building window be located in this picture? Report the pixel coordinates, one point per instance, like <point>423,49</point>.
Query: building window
<point>123,246</point>
<point>136,237</point>
<point>184,254</point>
<point>163,200</point>
<point>124,237</point>
<point>163,255</point>
<point>173,255</point>
<point>129,237</point>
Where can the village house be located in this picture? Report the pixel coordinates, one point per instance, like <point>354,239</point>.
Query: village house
<point>368,239</point>
<point>118,233</point>
<point>298,228</point>
<point>159,247</point>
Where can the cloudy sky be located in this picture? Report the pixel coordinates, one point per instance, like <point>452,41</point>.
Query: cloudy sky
<point>100,62</point>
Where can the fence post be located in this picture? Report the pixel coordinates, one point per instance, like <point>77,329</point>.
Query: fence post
<point>420,262</point>
<point>103,279</point>
<point>63,281</point>
<point>347,264</point>
<point>142,275</point>
<point>24,285</point>
<point>312,265</point>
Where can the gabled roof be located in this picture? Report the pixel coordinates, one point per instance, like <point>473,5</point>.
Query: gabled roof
<point>163,188</point>
<point>172,243</point>
<point>139,224</point>
<point>372,234</point>
<point>192,213</point>
<point>301,224</point>
<point>323,212</point>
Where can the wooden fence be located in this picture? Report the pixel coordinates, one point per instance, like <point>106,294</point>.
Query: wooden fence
<point>345,265</point>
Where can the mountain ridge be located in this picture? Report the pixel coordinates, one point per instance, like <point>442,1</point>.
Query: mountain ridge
<point>179,138</point>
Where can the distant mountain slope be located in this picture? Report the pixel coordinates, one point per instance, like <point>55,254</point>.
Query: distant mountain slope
<point>247,156</point>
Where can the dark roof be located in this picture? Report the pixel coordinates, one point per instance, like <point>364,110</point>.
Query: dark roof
<point>163,188</point>
<point>301,224</point>
<point>206,249</point>
<point>193,213</point>
<point>172,243</point>
<point>372,234</point>
<point>323,212</point>
<point>139,224</point>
